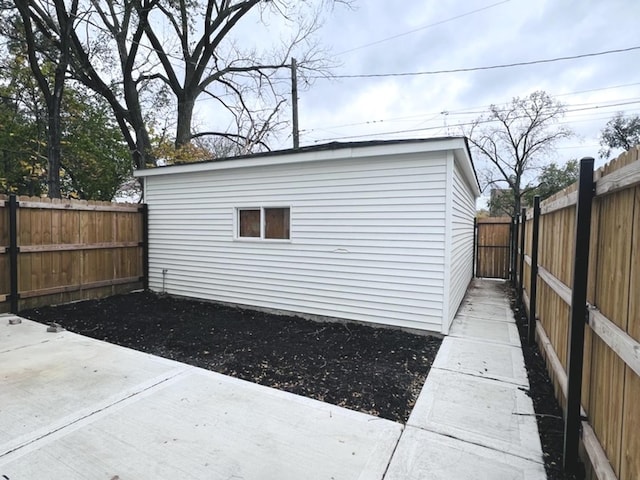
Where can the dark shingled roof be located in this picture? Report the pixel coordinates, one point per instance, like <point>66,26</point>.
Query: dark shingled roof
<point>327,147</point>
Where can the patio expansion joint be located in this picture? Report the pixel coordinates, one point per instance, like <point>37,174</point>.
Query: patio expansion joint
<point>20,347</point>
<point>71,422</point>
<point>479,444</point>
<point>520,386</point>
<point>480,316</point>
<point>484,340</point>
<point>483,316</point>
<point>393,452</point>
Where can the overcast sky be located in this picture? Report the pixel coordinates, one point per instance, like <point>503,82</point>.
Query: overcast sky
<point>452,34</point>
<point>498,32</point>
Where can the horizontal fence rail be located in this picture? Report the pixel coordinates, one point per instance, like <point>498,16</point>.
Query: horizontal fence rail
<point>56,251</point>
<point>609,385</point>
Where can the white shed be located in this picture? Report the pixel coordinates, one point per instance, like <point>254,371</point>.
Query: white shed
<point>378,232</point>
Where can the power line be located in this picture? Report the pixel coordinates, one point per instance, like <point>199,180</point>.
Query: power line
<point>600,107</point>
<point>424,27</point>
<point>598,89</point>
<point>490,67</point>
<point>485,110</point>
<point>458,125</point>
<point>418,116</point>
<point>578,146</point>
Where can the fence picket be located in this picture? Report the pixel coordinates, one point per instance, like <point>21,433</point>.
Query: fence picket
<point>610,384</point>
<point>68,250</point>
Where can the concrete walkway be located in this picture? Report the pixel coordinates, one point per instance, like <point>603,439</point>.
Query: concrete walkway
<point>76,408</point>
<point>473,418</point>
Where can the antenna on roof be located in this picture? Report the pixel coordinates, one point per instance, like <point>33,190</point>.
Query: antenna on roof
<point>444,114</point>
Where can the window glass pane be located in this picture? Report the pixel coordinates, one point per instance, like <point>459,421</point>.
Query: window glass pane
<point>276,223</point>
<point>249,223</point>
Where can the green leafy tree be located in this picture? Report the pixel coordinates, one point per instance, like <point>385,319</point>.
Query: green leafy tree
<point>22,130</point>
<point>500,202</point>
<point>48,58</point>
<point>552,179</point>
<point>21,163</point>
<point>514,140</point>
<point>133,53</point>
<point>621,132</point>
<point>94,159</point>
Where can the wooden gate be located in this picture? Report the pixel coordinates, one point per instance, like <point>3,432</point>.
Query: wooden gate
<point>493,238</point>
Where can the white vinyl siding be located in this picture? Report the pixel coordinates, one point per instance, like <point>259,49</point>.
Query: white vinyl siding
<point>367,237</point>
<point>461,265</point>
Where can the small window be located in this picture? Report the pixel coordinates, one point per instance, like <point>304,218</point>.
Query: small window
<point>249,222</point>
<point>264,223</point>
<point>276,223</point>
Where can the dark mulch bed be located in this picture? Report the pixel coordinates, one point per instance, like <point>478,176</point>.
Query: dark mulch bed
<point>548,412</point>
<point>374,370</point>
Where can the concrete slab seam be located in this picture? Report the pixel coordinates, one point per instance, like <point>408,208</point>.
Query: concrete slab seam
<point>479,444</point>
<point>393,452</point>
<point>524,387</point>
<point>488,447</point>
<point>15,349</point>
<point>482,316</point>
<point>483,340</point>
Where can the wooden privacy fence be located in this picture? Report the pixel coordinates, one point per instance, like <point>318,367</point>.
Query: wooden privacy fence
<point>57,251</point>
<point>493,247</point>
<point>599,371</point>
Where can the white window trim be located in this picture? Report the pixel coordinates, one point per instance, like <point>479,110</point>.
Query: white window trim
<point>261,238</point>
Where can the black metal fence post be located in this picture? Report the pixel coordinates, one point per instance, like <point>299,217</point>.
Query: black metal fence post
<point>523,229</point>
<point>535,234</point>
<point>514,249</point>
<point>475,246</point>
<point>145,245</point>
<point>578,315</point>
<point>13,253</point>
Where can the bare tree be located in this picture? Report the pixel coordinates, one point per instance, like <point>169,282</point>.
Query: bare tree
<point>515,138</point>
<point>84,54</point>
<point>200,55</point>
<point>133,52</point>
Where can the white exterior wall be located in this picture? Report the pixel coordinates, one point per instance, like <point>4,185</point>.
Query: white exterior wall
<point>462,212</point>
<point>367,238</point>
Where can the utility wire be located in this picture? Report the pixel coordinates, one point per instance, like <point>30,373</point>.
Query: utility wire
<point>570,109</point>
<point>462,124</point>
<point>597,89</point>
<point>424,27</point>
<point>475,69</point>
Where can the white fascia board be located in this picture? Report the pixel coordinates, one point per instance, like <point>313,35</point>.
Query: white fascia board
<point>466,165</point>
<point>287,157</point>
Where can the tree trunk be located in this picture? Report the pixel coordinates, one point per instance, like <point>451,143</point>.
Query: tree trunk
<point>185,115</point>
<point>53,156</point>
<point>54,131</point>
<point>517,202</point>
<point>143,154</point>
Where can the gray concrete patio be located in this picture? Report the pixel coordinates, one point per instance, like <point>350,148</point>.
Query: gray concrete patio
<point>76,408</point>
